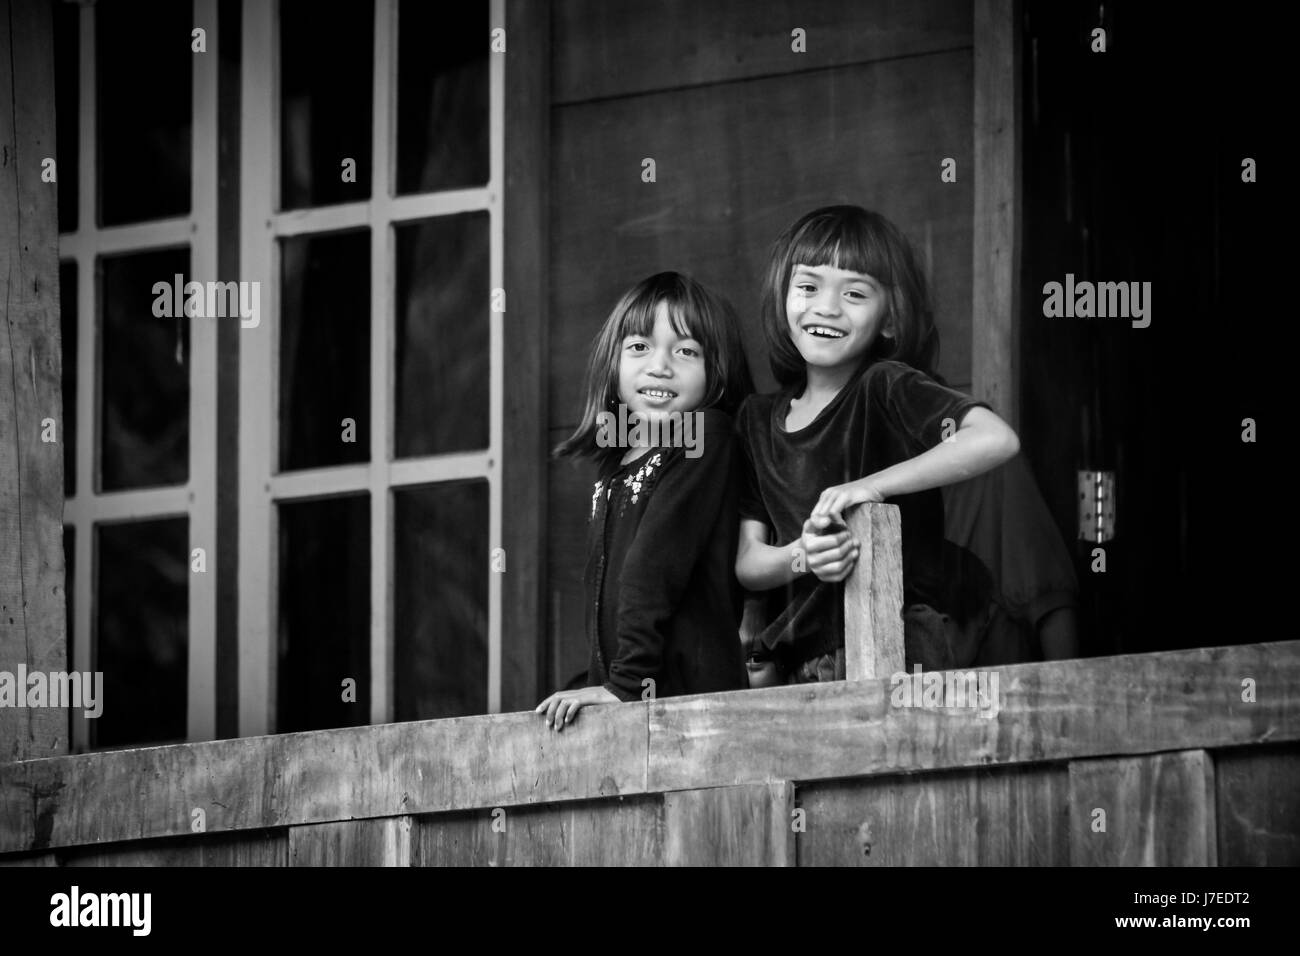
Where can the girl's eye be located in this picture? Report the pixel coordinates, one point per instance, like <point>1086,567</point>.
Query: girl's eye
<point>807,289</point>
<point>856,294</point>
<point>636,346</point>
<point>687,350</point>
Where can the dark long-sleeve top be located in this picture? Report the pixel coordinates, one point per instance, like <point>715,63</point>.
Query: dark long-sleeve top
<point>662,598</point>
<point>889,412</point>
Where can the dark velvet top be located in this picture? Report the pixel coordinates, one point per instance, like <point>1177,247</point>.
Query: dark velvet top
<point>889,412</point>
<point>662,597</point>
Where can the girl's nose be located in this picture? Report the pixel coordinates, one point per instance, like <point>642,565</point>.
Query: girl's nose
<point>827,305</point>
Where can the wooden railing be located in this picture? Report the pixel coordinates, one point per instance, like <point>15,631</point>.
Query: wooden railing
<point>1127,760</point>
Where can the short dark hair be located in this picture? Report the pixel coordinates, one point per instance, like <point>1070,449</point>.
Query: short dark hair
<point>857,240</point>
<point>694,311</point>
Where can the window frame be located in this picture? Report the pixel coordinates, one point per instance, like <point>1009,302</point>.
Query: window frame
<point>88,507</point>
<point>261,486</point>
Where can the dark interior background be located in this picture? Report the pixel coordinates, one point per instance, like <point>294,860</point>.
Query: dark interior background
<point>1132,172</point>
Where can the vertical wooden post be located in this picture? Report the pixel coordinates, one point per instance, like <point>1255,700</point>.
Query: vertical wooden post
<point>873,595</point>
<point>33,629</point>
<point>995,321</point>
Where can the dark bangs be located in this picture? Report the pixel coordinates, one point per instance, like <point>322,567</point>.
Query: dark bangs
<point>856,240</point>
<point>695,313</point>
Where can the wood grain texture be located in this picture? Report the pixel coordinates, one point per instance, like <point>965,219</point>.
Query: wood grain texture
<point>995,319</point>
<point>1014,816</point>
<point>730,826</point>
<point>322,776</point>
<point>873,595</point>
<point>618,832</point>
<point>736,164</point>
<point>264,848</point>
<point>606,49</point>
<point>382,842</point>
<point>1048,711</point>
<point>1070,710</point>
<point>33,629</point>
<point>1159,810</point>
<point>523,454</point>
<point>568,510</point>
<point>1258,806</point>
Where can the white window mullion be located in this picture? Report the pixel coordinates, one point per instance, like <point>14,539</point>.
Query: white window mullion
<point>258,260</point>
<point>202,696</point>
<point>382,320</point>
<point>496,239</point>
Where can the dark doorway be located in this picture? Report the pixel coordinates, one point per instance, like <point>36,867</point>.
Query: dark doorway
<point>1133,172</point>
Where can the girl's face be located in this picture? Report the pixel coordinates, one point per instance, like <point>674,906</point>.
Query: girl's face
<point>661,372</point>
<point>834,315</point>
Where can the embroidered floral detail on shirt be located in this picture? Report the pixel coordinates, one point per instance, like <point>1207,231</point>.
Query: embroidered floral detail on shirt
<point>635,481</point>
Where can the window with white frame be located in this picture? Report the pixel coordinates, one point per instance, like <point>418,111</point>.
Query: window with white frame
<point>136,172</point>
<point>370,389</point>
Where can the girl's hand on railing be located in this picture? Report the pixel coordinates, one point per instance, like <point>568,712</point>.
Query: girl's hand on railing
<point>837,499</point>
<point>831,556</point>
<point>563,706</point>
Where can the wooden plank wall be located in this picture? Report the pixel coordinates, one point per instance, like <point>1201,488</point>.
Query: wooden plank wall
<point>1237,807</point>
<point>32,600</point>
<point>746,135</point>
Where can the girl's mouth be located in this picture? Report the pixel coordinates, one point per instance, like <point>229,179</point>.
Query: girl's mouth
<point>823,332</point>
<point>657,394</point>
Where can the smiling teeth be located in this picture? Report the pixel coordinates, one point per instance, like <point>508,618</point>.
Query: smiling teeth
<point>657,393</point>
<point>824,332</point>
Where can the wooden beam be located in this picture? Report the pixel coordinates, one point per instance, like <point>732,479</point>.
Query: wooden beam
<point>1055,711</point>
<point>873,595</point>
<point>33,629</point>
<point>524,445</point>
<point>995,322</point>
<point>1155,810</point>
<point>606,50</point>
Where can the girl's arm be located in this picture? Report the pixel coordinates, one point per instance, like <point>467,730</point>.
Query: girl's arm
<point>759,565</point>
<point>982,442</point>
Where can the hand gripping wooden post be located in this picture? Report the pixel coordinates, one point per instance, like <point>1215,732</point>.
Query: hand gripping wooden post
<point>873,595</point>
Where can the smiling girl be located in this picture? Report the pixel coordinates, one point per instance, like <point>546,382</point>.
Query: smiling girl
<point>859,418</point>
<point>663,606</point>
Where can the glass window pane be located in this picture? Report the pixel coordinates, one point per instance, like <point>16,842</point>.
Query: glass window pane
<point>324,633</point>
<point>326,78</point>
<point>67,104</point>
<point>440,599</point>
<point>142,631</point>
<point>324,349</point>
<point>442,95</point>
<point>145,374</point>
<point>443,305</point>
<point>67,432</point>
<point>143,78</point>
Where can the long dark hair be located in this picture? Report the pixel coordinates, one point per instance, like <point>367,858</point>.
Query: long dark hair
<point>695,312</point>
<point>857,240</point>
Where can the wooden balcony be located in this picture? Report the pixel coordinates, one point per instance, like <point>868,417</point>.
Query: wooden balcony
<point>1145,759</point>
